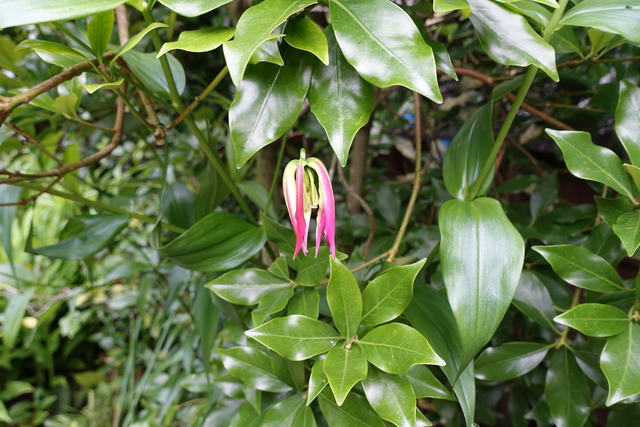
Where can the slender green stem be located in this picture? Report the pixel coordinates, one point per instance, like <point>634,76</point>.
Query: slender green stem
<point>562,340</point>
<point>276,174</point>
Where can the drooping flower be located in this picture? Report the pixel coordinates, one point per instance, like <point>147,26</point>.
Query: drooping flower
<point>302,195</point>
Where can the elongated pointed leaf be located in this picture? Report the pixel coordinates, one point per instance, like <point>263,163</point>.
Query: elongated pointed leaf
<point>628,120</point>
<point>344,299</point>
<point>620,362</point>
<point>391,396</point>
<point>12,317</point>
<point>201,40</point>
<point>567,391</point>
<point>219,241</point>
<point>509,39</point>
<point>355,411</point>
<point>596,320</point>
<point>613,16</point>
<point>295,337</point>
<point>482,255</point>
<point>306,303</point>
<point>384,55</point>
<point>344,369</point>
<point>148,69</point>
<point>267,103</point>
<point>99,31</point>
<point>627,227</point>
<point>91,88</point>
<point>340,99</point>
<point>271,303</point>
<point>588,161</point>
<point>192,8</point>
<point>304,34</point>
<point>246,287</point>
<point>22,12</point>
<point>510,360</point>
<point>534,300</point>
<point>317,380</point>
<point>255,368</point>
<point>289,412</point>
<point>425,384</point>
<point>581,267</point>
<point>133,41</point>
<point>255,27</point>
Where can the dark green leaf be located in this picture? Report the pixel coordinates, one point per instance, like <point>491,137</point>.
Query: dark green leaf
<point>543,195</point>
<point>13,315</point>
<point>510,360</point>
<point>289,412</point>
<point>620,362</point>
<point>99,31</point>
<point>255,368</point>
<point>354,412</point>
<point>627,227</point>
<point>391,396</point>
<point>344,299</point>
<point>277,233</point>
<point>311,270</point>
<point>533,300</point>
<point>628,119</point>
<point>304,34</point>
<point>317,380</point>
<point>178,204</point>
<point>22,12</point>
<point>247,287</point>
<point>567,391</point>
<point>201,40</point>
<point>270,303</point>
<point>612,208</point>
<point>148,69</point>
<point>192,8</point>
<point>344,368</point>
<point>613,16</point>
<point>596,320</point>
<point>426,385</point>
<point>581,268</point>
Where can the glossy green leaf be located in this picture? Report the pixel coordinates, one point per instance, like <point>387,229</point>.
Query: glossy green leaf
<point>384,55</point>
<point>52,47</point>
<point>628,119</point>
<point>280,268</point>
<point>628,229</point>
<point>305,303</point>
<point>481,255</point>
<point>267,103</point>
<point>509,39</point>
<point>289,412</point>
<point>510,360</point>
<point>255,27</point>
<point>271,303</point>
<point>12,317</point>
<point>99,31</point>
<point>133,41</point>
<point>148,69</point>
<point>612,208</point>
<point>620,362</point>
<point>391,396</point>
<point>219,241</point>
<point>443,6</point>
<point>634,173</point>
<point>22,12</point>
<point>344,299</point>
<point>340,99</point>
<point>246,287</point>
<point>588,161</point>
<point>178,205</point>
<point>581,267</point>
<point>201,40</point>
<point>533,299</point>
<point>532,10</point>
<point>467,154</point>
<point>311,270</point>
<point>386,296</point>
<point>83,236</point>
<point>91,88</point>
<point>277,233</point>
<point>396,347</point>
<point>596,320</point>
<point>426,385</point>
<point>613,16</point>
<point>192,8</point>
<point>317,381</point>
<point>295,337</point>
<point>567,391</point>
<point>304,34</point>
<point>255,368</point>
<point>344,368</point>
<point>355,411</point>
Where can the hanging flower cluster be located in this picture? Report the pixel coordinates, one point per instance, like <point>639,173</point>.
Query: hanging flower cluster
<point>302,194</point>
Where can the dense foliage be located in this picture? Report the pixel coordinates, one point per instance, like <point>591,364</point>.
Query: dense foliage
<point>487,214</point>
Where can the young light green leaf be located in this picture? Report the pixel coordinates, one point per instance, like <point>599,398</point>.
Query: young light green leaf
<point>99,31</point>
<point>148,69</point>
<point>620,362</point>
<point>317,380</point>
<point>295,337</point>
<point>566,390</point>
<point>306,302</point>
<point>344,299</point>
<point>344,368</point>
<point>628,229</point>
<point>52,47</point>
<point>613,16</point>
<point>426,385</point>
<point>384,56</point>
<point>255,27</point>
<point>581,267</point>
<point>304,34</point>
<point>91,88</point>
<point>588,161</point>
<point>509,39</point>
<point>628,120</point>
<point>444,6</point>
<point>254,367</point>
<point>23,12</point>
<point>354,412</point>
<point>340,99</point>
<point>595,320</point>
<point>193,8</point>
<point>391,396</point>
<point>510,360</point>
<point>386,296</point>
<point>133,41</point>
<point>634,173</point>
<point>201,40</point>
<point>396,347</point>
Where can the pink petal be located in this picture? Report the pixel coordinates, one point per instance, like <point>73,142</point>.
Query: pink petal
<point>301,227</point>
<point>327,209</point>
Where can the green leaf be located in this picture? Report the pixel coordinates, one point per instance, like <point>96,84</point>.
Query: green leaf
<point>219,241</point>
<point>13,315</point>
<point>255,368</point>
<point>52,47</point>
<point>426,385</point>
<point>396,347</point>
<point>543,195</point>
<point>99,31</point>
<point>355,411</point>
<point>192,8</point>
<point>91,88</point>
<point>628,229</point>
<point>133,41</point>
<point>270,303</point>
<point>23,12</point>
<point>535,12</point>
<point>533,299</point>
<point>391,396</point>
<point>247,287</point>
<point>304,34</point>
<point>83,236</point>
<point>386,296</point>
<point>588,161</point>
<point>289,412</point>
<point>612,208</point>
<point>481,255</point>
<point>510,360</point>
<point>344,299</point>
<point>311,270</point>
<point>201,40</point>
<point>620,362</point>
<point>513,44</point>
<point>295,337</point>
<point>317,380</point>
<point>8,194</point>
<point>634,172</point>
<point>277,233</point>
<point>306,303</point>
<point>148,69</point>
<point>280,268</point>
<point>443,6</point>
<point>344,368</point>
<point>467,154</point>
<point>595,320</point>
<point>567,391</point>
<point>340,99</point>
<point>628,120</point>
<point>13,389</point>
<point>581,267</point>
<point>255,27</point>
<point>267,103</point>
<point>613,16</point>
<point>382,56</point>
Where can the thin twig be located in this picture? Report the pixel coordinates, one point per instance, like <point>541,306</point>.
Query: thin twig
<point>365,206</point>
<point>26,200</point>
<point>363,265</point>
<point>33,140</point>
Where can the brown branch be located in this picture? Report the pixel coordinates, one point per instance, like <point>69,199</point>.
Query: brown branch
<point>596,61</point>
